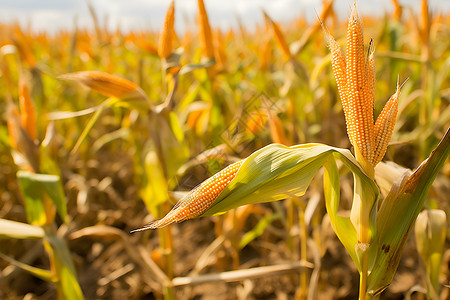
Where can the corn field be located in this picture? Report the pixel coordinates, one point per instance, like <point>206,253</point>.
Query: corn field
<point>300,160</point>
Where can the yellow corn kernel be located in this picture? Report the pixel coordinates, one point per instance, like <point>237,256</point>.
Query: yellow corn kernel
<point>360,115</point>
<point>371,71</point>
<point>165,48</point>
<point>355,77</point>
<point>384,126</point>
<point>339,67</point>
<point>199,199</point>
<point>205,30</point>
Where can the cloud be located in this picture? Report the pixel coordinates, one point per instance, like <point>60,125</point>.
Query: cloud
<point>51,15</point>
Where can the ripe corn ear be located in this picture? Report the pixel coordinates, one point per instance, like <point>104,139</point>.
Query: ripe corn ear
<point>166,38</point>
<point>384,126</point>
<point>205,30</point>
<point>361,105</point>
<point>199,199</point>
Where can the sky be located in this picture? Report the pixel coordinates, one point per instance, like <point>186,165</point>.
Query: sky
<point>52,15</point>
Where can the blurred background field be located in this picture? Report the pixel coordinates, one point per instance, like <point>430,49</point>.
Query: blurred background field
<point>126,150</point>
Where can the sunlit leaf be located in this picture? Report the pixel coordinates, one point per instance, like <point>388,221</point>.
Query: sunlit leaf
<point>107,84</point>
<point>191,67</point>
<point>33,196</point>
<point>65,270</point>
<point>38,184</point>
<point>154,191</point>
<point>18,230</point>
<point>399,210</point>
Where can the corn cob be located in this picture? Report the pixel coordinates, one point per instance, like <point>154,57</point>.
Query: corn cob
<point>360,114</point>
<point>165,48</point>
<point>355,78</point>
<point>205,30</point>
<point>384,126</point>
<point>199,199</point>
<point>398,9</point>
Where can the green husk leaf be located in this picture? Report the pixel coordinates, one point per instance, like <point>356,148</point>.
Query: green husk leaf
<point>398,211</point>
<point>18,230</point>
<point>276,172</point>
<point>342,226</point>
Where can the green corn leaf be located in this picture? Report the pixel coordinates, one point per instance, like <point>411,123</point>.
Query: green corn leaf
<point>33,187</point>
<point>4,136</point>
<point>33,195</point>
<point>18,230</point>
<point>68,287</point>
<point>154,192</point>
<point>110,102</point>
<point>397,214</point>
<point>258,229</point>
<point>174,151</point>
<point>40,273</point>
<point>176,128</point>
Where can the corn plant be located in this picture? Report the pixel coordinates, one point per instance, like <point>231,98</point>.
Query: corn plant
<point>376,231</point>
<point>43,196</point>
<point>230,92</point>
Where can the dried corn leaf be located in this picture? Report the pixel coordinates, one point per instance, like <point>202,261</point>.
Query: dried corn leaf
<point>107,84</point>
<point>27,109</point>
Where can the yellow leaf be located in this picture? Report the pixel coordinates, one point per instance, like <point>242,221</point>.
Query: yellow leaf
<point>106,84</point>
